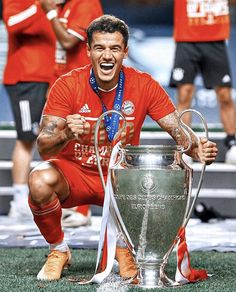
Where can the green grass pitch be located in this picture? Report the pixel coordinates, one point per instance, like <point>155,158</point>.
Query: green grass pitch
<point>19,267</point>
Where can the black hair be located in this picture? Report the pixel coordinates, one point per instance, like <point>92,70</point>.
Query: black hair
<point>110,24</point>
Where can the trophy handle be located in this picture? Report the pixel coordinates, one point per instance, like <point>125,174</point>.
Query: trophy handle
<point>96,140</point>
<point>118,222</point>
<point>190,208</point>
<point>185,130</point>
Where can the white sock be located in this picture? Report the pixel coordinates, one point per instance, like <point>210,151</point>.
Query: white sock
<point>20,194</point>
<point>61,246</point>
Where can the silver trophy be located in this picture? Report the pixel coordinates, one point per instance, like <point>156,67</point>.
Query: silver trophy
<point>152,188</point>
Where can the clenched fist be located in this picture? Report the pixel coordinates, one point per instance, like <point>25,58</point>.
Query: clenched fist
<point>76,126</point>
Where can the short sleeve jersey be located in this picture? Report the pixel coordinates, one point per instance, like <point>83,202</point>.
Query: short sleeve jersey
<point>31,43</point>
<point>73,94</point>
<point>75,16</point>
<point>201,21</point>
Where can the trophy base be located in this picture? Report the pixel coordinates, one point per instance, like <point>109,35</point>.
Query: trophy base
<point>153,279</point>
<point>160,285</point>
<point>152,287</point>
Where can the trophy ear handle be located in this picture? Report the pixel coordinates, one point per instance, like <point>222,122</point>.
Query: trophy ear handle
<point>186,132</point>
<point>184,127</point>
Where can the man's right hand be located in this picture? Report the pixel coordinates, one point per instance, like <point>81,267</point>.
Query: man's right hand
<point>76,126</point>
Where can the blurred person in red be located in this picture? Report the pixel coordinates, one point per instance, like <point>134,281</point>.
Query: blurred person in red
<point>28,72</point>
<point>69,20</point>
<point>201,29</point>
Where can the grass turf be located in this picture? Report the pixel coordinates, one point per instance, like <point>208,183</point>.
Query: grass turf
<point>19,267</point>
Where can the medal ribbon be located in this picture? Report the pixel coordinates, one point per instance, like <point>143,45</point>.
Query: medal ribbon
<point>111,122</point>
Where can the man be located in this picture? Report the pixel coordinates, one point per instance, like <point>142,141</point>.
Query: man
<point>69,176</point>
<point>69,20</point>
<point>28,72</point>
<point>200,32</point>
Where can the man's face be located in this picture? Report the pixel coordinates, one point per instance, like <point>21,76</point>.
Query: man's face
<point>107,52</point>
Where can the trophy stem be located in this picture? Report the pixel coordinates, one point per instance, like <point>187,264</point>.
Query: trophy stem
<point>150,276</point>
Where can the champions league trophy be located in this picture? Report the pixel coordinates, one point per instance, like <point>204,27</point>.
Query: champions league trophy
<point>152,189</point>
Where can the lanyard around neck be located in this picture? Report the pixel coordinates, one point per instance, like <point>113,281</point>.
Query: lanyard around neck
<point>111,122</point>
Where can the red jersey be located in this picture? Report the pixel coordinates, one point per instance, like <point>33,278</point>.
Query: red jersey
<point>72,94</point>
<point>31,43</point>
<point>75,16</point>
<point>201,20</point>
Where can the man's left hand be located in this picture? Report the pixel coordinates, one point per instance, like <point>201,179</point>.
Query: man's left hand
<point>207,151</point>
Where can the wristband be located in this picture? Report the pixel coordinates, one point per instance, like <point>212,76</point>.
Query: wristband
<point>51,14</point>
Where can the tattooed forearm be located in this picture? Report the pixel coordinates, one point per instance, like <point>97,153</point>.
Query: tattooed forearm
<point>52,138</point>
<point>176,133</point>
<point>170,123</point>
<point>184,137</point>
<point>50,128</point>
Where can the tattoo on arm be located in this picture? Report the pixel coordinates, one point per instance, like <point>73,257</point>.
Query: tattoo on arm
<point>170,123</point>
<point>51,139</point>
<point>49,129</point>
<point>52,125</point>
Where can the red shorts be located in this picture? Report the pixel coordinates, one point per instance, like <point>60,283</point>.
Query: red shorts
<point>85,185</point>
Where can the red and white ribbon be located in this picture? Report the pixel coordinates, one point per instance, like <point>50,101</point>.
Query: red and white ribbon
<point>108,232</point>
<point>184,272</point>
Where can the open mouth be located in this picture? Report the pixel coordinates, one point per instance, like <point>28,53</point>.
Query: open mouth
<point>106,66</point>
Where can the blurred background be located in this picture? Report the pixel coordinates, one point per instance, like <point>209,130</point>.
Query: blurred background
<point>151,49</point>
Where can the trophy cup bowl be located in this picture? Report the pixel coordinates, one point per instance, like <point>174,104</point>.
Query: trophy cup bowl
<point>151,187</point>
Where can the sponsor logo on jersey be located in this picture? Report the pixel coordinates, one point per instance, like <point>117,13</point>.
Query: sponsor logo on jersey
<point>85,109</point>
<point>128,107</point>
